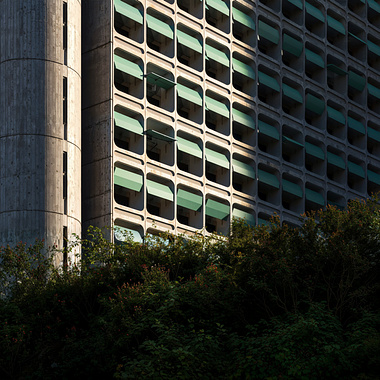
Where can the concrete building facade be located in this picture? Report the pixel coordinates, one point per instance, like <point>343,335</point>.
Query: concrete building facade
<point>196,112</point>
<point>193,112</point>
<point>40,119</point>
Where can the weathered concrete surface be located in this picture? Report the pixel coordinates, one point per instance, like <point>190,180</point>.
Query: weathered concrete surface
<point>31,121</point>
<point>97,111</point>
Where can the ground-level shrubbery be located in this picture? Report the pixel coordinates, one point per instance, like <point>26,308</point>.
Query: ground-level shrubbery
<point>265,303</point>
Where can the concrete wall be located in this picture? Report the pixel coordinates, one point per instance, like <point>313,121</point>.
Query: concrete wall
<point>32,139</point>
<point>97,161</point>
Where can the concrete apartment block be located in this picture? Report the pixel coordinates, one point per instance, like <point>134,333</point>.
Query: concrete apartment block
<point>193,112</point>
<point>40,119</point>
<point>199,112</point>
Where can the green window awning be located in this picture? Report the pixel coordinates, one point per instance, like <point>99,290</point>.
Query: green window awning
<point>243,118</point>
<point>291,45</point>
<point>356,38</point>
<point>336,25</point>
<point>336,160</point>
<point>189,94</point>
<point>189,147</point>
<point>189,41</point>
<point>217,107</point>
<point>292,188</point>
<point>336,115</point>
<point>159,135</point>
<point>315,12</point>
<point>128,11</point>
<point>374,5</point>
<point>297,3</point>
<point>128,123</point>
<point>268,179</point>
<point>268,130</point>
<point>243,169</point>
<point>314,104</point>
<point>159,190</point>
<point>336,69</point>
<point>246,216</point>
<point>216,209</point>
<point>355,125</point>
<point>287,140</point>
<point>374,91</point>
<point>373,177</point>
<point>356,81</point>
<point>243,68</point>
<point>314,151</point>
<point>159,81</point>
<point>314,58</point>
<point>218,5</point>
<point>373,48</point>
<point>373,134</point>
<point>243,18</point>
<point>268,32</point>
<point>189,200</point>
<point>128,67</point>
<point>217,55</point>
<point>355,169</point>
<point>217,158</point>
<point>314,197</point>
<point>159,26</point>
<point>127,179</point>
<point>268,81</point>
<point>122,234</point>
<point>292,93</point>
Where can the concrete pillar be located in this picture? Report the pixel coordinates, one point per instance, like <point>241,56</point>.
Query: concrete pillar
<point>32,132</point>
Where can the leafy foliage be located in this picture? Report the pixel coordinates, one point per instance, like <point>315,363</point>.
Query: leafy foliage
<point>268,302</point>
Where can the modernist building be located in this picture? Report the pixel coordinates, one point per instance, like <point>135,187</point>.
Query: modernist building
<point>195,112</point>
<point>40,120</point>
<point>199,111</point>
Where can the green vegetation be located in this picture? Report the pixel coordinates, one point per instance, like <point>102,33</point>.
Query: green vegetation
<point>266,303</point>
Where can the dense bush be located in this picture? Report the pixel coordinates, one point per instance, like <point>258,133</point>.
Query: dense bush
<point>265,303</point>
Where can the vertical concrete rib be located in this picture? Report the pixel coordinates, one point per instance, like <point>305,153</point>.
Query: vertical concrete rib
<point>32,137</point>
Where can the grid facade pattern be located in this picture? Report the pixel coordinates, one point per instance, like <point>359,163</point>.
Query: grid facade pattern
<point>241,109</point>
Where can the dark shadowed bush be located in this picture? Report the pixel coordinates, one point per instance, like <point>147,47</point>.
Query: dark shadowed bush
<point>268,302</point>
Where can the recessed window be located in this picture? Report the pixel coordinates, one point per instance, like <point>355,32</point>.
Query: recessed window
<point>129,73</point>
<point>314,197</point>
<point>128,186</point>
<point>189,100</point>
<point>189,47</point>
<point>268,135</point>
<point>129,19</point>
<point>160,87</point>
<point>217,61</point>
<point>244,74</point>
<point>217,213</point>
<point>189,154</point>
<point>160,32</point>
<point>217,165</point>
<point>243,174</point>
<point>217,113</point>
<point>189,207</point>
<point>244,25</point>
<point>269,38</point>
<point>160,142</point>
<point>160,197</point>
<point>243,125</point>
<point>218,14</point>
<point>269,87</point>
<point>128,130</point>
<point>268,184</point>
